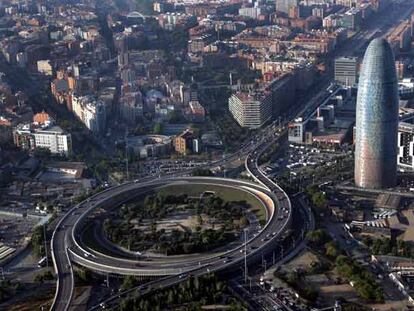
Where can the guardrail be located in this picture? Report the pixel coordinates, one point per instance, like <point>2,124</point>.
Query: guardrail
<point>211,164</point>
<point>99,267</point>
<point>52,241</point>
<point>126,185</point>
<point>256,253</point>
<point>246,164</point>
<point>109,269</point>
<point>269,211</point>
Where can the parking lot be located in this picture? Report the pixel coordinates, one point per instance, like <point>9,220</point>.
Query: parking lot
<point>168,166</point>
<point>15,230</point>
<point>300,161</point>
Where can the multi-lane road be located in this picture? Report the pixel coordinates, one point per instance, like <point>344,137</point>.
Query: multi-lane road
<point>64,241</point>
<point>60,239</point>
<point>67,245</point>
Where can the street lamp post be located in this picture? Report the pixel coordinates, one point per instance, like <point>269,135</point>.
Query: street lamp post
<point>245,256</point>
<point>126,155</point>
<point>44,237</point>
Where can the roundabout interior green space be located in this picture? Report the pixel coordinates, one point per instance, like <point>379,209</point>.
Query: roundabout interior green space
<point>226,193</point>
<point>136,227</point>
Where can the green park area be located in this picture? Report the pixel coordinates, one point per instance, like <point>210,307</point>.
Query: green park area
<point>182,219</point>
<point>195,293</point>
<point>226,193</point>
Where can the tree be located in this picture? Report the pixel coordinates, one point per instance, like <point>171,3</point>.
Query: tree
<point>42,153</point>
<point>129,282</point>
<point>202,172</point>
<point>318,237</point>
<point>38,241</point>
<point>293,278</point>
<point>158,128</point>
<point>332,249</point>
<point>382,246</point>
<point>310,293</point>
<point>319,200</point>
<point>84,275</point>
<point>46,276</point>
<point>200,220</point>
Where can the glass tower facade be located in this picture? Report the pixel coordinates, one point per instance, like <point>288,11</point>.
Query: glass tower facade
<point>377,119</point>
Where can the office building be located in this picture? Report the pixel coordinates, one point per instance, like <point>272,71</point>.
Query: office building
<point>253,12</point>
<point>47,136</point>
<point>296,130</point>
<point>352,19</point>
<point>346,71</point>
<point>5,130</point>
<point>377,118</point>
<point>406,145</point>
<point>285,5</point>
<point>251,110</point>
<point>54,139</point>
<point>186,142</point>
<point>91,111</point>
<point>131,107</point>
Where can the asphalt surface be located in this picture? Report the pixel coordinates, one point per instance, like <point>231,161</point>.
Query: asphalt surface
<point>61,238</point>
<point>67,242</point>
<point>260,246</point>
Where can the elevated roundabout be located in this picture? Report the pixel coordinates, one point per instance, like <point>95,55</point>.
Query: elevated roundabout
<point>119,262</point>
<point>68,247</point>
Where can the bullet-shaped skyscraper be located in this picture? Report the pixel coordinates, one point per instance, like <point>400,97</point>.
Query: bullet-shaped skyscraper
<point>377,118</point>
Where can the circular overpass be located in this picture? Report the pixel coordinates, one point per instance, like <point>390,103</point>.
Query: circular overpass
<point>278,219</point>
<point>66,247</point>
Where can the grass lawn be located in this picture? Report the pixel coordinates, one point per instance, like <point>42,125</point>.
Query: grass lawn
<point>226,193</point>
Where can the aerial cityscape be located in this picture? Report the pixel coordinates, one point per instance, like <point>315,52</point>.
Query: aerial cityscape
<point>207,155</point>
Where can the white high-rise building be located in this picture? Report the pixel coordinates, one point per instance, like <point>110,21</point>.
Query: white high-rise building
<point>52,137</point>
<point>251,110</point>
<point>91,112</point>
<point>346,70</point>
